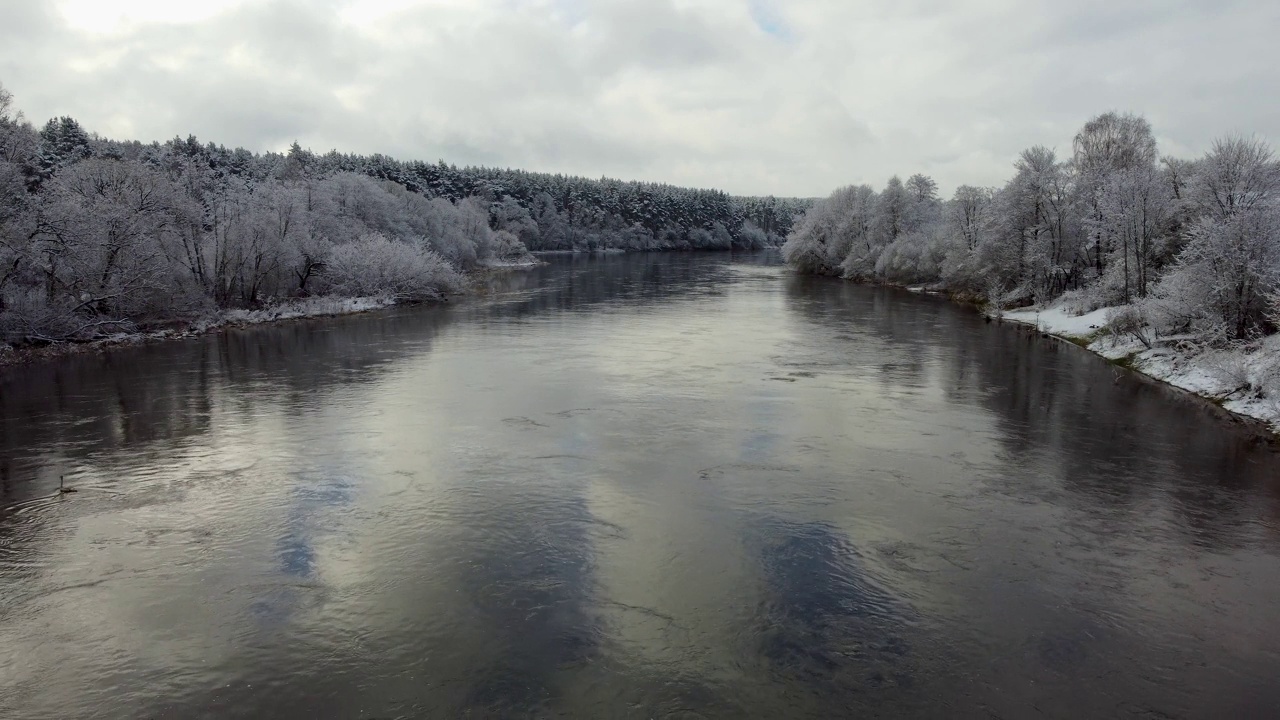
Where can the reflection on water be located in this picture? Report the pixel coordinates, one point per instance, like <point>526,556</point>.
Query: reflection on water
<point>652,485</point>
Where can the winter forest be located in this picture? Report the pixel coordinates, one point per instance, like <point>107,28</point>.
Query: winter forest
<point>1187,246</point>
<point>99,236</point>
<point>1168,265</point>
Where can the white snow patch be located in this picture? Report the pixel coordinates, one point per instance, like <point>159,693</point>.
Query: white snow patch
<point>284,310</point>
<point>524,262</point>
<point>1244,380</point>
<point>308,307</point>
<point>1060,321</point>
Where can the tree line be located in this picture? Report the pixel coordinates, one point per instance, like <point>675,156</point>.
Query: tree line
<point>101,236</point>
<point>1184,246</point>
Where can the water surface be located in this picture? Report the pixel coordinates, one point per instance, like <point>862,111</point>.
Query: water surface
<point>641,486</point>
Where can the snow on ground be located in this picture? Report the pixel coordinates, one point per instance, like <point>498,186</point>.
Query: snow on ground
<point>1244,380</point>
<point>281,310</point>
<point>289,309</point>
<point>525,262</point>
<point>307,307</point>
<point>1060,321</point>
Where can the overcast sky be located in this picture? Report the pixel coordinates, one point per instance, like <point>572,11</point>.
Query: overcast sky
<point>791,97</point>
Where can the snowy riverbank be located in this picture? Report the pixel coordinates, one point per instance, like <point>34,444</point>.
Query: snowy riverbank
<point>521,263</point>
<point>1244,380</point>
<point>314,307</point>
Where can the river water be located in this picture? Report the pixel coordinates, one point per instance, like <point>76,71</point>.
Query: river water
<point>641,486</point>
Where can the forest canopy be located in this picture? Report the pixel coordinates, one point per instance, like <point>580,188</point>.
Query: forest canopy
<point>1187,247</point>
<point>99,236</point>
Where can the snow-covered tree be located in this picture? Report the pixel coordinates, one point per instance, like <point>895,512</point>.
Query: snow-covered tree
<point>1108,144</point>
<point>892,212</point>
<point>1230,266</point>
<point>1029,251</point>
<point>1238,175</point>
<point>17,148</point>
<point>375,265</point>
<point>752,237</point>
<point>1133,214</point>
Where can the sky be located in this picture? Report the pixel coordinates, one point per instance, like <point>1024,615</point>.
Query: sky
<point>784,97</point>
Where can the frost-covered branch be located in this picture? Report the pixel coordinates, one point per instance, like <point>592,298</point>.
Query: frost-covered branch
<point>1188,247</point>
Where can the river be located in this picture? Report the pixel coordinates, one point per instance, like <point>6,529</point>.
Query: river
<point>665,485</point>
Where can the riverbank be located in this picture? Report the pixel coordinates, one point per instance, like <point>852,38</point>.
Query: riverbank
<point>316,307</point>
<point>285,310</point>
<point>1244,381</point>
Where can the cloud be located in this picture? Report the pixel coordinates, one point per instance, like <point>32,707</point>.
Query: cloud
<point>753,96</point>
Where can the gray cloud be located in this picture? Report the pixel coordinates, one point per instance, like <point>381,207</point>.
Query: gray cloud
<point>754,96</point>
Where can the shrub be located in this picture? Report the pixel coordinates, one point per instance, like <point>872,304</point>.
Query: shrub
<point>376,266</point>
<point>1131,320</point>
